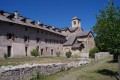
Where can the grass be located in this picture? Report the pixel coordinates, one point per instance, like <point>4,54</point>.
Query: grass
<point>100,70</point>
<point>18,61</point>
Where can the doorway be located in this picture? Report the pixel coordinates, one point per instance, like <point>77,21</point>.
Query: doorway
<point>41,51</point>
<point>8,51</point>
<point>51,52</point>
<point>26,49</point>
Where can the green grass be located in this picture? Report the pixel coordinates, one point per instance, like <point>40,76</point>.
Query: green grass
<point>18,61</point>
<point>100,70</point>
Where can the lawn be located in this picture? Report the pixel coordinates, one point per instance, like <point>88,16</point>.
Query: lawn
<point>100,70</point>
<point>18,61</point>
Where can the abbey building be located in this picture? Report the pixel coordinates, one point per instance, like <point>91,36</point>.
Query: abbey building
<point>20,35</point>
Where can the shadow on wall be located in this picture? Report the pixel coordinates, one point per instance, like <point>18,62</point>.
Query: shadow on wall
<point>112,61</point>
<point>107,72</point>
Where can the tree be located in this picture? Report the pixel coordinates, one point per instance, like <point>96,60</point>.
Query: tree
<point>107,29</point>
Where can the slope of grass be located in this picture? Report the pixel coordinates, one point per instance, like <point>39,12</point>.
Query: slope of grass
<point>100,70</point>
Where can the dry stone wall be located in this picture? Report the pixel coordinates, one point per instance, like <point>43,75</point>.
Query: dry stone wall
<point>23,72</point>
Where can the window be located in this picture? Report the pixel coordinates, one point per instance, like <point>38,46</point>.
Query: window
<point>26,29</point>
<point>45,40</point>
<point>50,40</point>
<point>37,40</point>
<point>37,31</point>
<point>41,32</point>
<point>10,36</point>
<point>26,38</point>
<point>50,34</point>
<point>74,22</point>
<point>46,33</point>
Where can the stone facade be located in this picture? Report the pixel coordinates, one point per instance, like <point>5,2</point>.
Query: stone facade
<point>12,40</point>
<point>79,42</point>
<point>20,35</point>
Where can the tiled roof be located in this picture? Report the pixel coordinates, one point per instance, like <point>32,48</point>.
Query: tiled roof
<point>64,29</point>
<point>73,29</point>
<point>8,17</point>
<point>76,45</point>
<point>84,33</point>
<point>70,40</point>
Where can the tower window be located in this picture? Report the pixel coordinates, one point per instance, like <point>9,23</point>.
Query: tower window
<point>74,22</point>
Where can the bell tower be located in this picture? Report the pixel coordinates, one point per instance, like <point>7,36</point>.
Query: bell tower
<point>76,22</point>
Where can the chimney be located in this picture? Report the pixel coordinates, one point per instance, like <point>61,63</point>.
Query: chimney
<point>16,15</point>
<point>39,22</point>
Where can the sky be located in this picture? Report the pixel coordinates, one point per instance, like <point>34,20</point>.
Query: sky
<point>57,13</point>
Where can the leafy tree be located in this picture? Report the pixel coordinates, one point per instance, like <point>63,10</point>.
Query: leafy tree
<point>107,29</point>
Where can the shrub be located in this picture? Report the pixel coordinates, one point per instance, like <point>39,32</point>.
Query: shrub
<point>68,54</point>
<point>93,51</point>
<point>5,56</point>
<point>58,54</point>
<point>34,52</point>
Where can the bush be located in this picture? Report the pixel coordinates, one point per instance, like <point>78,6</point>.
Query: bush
<point>58,54</point>
<point>34,52</point>
<point>68,54</point>
<point>93,51</point>
<point>5,56</point>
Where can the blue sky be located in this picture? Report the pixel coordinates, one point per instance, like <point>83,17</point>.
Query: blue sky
<point>57,12</point>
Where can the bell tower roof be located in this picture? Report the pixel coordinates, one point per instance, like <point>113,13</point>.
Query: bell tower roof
<point>75,18</point>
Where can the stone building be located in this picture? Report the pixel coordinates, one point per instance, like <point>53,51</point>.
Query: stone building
<point>79,42</point>
<point>20,35</point>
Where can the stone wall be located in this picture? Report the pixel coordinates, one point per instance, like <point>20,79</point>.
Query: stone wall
<point>119,66</point>
<point>26,71</point>
<point>101,55</point>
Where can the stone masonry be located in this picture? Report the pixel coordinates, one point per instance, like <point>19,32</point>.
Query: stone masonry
<point>22,72</point>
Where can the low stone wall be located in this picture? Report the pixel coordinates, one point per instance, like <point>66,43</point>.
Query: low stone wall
<point>23,72</point>
<point>101,55</point>
<point>119,66</point>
